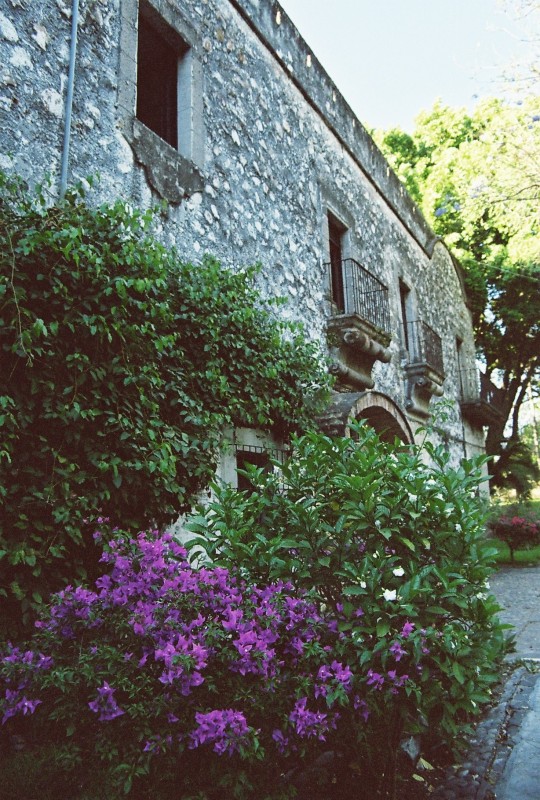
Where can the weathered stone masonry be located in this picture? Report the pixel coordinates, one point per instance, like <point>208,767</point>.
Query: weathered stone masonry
<point>271,166</point>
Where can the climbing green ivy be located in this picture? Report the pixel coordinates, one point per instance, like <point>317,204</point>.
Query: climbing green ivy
<point>121,366</point>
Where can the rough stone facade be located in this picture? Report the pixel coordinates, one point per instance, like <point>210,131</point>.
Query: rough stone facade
<point>270,163</point>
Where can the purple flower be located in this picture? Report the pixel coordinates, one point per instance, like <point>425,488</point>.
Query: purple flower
<point>225,729</point>
<point>308,723</point>
<point>407,629</point>
<point>397,651</point>
<point>361,706</point>
<point>282,741</point>
<point>375,679</point>
<point>15,704</point>
<point>105,705</point>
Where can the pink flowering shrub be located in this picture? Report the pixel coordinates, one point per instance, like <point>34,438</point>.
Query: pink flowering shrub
<point>517,531</point>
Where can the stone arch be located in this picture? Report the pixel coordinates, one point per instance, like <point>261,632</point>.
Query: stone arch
<point>376,408</point>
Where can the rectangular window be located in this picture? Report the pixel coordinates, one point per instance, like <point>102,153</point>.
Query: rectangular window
<point>164,91</point>
<point>405,310</point>
<point>250,456</point>
<point>257,456</point>
<point>336,233</point>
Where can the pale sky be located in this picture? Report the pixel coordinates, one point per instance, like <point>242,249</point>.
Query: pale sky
<point>392,59</point>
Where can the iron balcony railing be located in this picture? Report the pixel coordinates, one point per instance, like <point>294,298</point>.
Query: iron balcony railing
<point>423,345</point>
<point>476,387</point>
<point>354,290</point>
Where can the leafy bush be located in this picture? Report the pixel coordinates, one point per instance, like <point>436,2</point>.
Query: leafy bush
<point>344,614</point>
<point>394,547</point>
<point>121,366</point>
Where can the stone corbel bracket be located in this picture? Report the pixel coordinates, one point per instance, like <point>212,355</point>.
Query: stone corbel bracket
<point>423,383</point>
<point>172,176</point>
<point>354,346</point>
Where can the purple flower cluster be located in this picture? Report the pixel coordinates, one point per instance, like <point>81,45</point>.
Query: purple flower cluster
<point>309,723</point>
<point>331,675</point>
<point>225,729</point>
<point>155,627</point>
<point>105,705</point>
<point>24,663</point>
<point>390,679</point>
<point>159,635</point>
<point>17,703</point>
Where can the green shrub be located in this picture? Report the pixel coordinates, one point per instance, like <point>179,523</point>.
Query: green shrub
<point>121,366</point>
<point>394,545</point>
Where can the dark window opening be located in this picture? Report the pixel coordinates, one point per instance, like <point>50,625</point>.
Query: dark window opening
<point>255,457</point>
<point>261,458</point>
<point>157,81</point>
<point>404,300</point>
<point>336,232</point>
<point>461,372</point>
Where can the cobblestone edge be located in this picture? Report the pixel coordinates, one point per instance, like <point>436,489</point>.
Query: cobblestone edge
<point>476,777</point>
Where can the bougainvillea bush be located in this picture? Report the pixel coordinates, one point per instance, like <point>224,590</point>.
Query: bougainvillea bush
<point>190,681</point>
<point>517,531</point>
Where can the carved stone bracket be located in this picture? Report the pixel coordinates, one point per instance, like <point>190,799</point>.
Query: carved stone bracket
<point>354,346</point>
<point>423,382</point>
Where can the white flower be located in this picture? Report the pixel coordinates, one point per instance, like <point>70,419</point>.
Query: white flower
<point>363,584</point>
<point>398,572</point>
<point>458,527</point>
<point>389,594</point>
<point>413,497</point>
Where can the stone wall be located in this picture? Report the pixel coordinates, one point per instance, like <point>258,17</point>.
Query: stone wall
<point>273,148</point>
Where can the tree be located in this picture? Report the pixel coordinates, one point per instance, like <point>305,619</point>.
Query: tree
<point>476,177</point>
<point>521,76</point>
<point>121,367</point>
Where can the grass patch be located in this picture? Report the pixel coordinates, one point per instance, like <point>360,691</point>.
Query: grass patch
<point>521,557</point>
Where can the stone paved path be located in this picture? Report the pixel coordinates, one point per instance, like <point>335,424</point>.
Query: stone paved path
<point>517,589</point>
<point>503,761</point>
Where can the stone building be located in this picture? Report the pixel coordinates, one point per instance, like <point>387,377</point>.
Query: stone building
<point>221,109</point>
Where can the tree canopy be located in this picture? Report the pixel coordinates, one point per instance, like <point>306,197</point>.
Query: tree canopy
<point>476,177</point>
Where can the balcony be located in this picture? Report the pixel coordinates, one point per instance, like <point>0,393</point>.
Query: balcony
<point>424,366</point>
<point>481,400</point>
<point>359,324</point>
<point>357,291</point>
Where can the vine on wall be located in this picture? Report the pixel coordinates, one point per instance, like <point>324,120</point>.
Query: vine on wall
<point>121,365</point>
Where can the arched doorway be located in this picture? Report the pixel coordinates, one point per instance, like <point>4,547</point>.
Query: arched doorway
<point>377,409</point>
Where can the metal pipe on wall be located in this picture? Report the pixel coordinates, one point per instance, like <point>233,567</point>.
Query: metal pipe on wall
<point>69,97</point>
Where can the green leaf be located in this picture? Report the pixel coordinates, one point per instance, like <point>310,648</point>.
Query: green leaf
<point>352,591</point>
<point>458,672</point>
